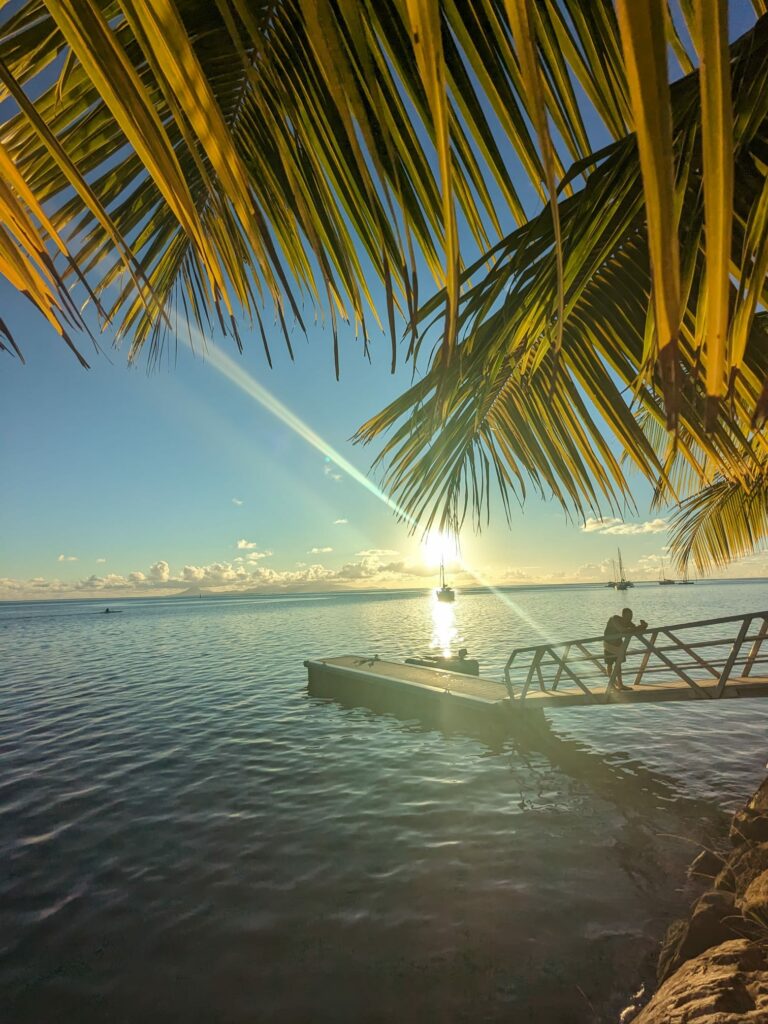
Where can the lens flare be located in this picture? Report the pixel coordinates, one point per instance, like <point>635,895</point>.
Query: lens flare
<point>442,545</point>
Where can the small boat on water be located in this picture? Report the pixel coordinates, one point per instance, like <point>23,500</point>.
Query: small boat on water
<point>444,593</point>
<point>685,581</point>
<point>664,580</point>
<point>621,583</point>
<point>453,663</point>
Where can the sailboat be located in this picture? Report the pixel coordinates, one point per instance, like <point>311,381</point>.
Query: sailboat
<point>612,581</point>
<point>685,582</point>
<point>444,593</point>
<point>622,583</point>
<point>664,581</point>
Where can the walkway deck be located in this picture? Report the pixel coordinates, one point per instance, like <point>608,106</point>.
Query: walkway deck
<point>704,660</point>
<point>644,693</point>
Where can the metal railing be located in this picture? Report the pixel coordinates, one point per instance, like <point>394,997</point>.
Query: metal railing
<point>704,655</point>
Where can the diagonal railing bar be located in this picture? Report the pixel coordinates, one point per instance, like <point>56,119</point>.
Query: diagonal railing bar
<point>688,648</point>
<point>733,656</point>
<point>752,656</point>
<point>582,685</point>
<point>646,657</point>
<point>534,665</point>
<point>563,661</point>
<point>542,685</point>
<point>600,662</point>
<point>675,668</point>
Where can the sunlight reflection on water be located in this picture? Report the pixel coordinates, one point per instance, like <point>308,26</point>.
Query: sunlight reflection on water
<point>445,634</point>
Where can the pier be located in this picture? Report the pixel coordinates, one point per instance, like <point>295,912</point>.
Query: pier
<point>709,659</point>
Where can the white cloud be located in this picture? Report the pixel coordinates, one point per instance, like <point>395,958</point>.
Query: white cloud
<point>67,558</point>
<point>256,556</point>
<point>246,545</point>
<point>340,522</point>
<point>100,561</point>
<point>617,527</point>
<point>237,501</point>
<point>331,473</point>
<point>160,572</point>
<point>593,525</point>
<point>319,551</point>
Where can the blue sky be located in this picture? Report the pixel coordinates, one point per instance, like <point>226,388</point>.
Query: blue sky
<point>119,481</point>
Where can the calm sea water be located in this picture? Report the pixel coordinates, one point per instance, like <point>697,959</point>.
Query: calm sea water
<point>185,835</point>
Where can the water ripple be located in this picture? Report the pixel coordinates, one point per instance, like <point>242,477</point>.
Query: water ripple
<point>188,836</point>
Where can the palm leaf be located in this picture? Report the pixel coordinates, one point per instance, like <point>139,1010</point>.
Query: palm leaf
<point>505,345</point>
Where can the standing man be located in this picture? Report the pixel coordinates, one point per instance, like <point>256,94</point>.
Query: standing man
<point>617,628</point>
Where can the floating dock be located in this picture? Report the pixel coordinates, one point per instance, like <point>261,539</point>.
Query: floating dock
<point>408,690</point>
<point>681,662</point>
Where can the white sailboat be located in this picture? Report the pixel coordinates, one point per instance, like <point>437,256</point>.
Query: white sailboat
<point>444,593</point>
<point>622,583</point>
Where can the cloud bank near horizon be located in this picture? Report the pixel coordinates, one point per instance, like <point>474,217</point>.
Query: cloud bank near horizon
<point>375,568</point>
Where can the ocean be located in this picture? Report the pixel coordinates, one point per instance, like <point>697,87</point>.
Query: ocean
<point>186,835</point>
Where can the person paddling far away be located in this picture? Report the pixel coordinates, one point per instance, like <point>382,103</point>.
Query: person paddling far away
<point>617,629</point>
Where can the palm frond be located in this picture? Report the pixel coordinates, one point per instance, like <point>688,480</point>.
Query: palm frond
<point>251,152</point>
<point>723,522</point>
<point>505,341</point>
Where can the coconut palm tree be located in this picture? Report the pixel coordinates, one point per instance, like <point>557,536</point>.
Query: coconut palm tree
<point>188,164</point>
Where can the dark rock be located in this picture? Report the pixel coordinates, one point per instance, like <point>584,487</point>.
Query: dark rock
<point>707,926</point>
<point>727,984</point>
<point>749,826</point>
<point>706,865</point>
<point>742,867</point>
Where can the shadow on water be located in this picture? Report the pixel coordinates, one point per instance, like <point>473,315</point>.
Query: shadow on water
<point>617,777</point>
<point>656,830</point>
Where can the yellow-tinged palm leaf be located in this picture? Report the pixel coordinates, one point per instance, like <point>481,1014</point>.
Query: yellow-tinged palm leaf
<point>724,521</point>
<point>425,31</point>
<point>642,34</point>
<point>98,50</point>
<point>717,155</point>
<point>752,284</point>
<point>519,14</point>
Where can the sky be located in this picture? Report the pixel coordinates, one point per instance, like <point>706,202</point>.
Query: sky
<point>218,474</point>
<point>123,482</point>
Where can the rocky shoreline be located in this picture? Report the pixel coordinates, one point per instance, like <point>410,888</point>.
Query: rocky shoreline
<point>713,965</point>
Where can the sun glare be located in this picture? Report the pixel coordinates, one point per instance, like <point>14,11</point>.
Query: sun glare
<point>439,547</point>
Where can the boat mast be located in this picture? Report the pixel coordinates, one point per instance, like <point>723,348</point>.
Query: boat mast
<point>622,578</point>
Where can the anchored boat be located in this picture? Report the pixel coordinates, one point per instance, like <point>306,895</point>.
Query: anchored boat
<point>444,593</point>
<point>453,663</point>
<point>622,583</point>
<point>664,580</point>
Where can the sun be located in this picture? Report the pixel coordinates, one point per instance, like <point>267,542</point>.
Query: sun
<point>437,547</point>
